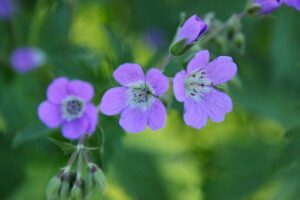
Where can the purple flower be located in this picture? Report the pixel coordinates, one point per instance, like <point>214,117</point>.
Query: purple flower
<point>25,59</point>
<point>68,105</point>
<point>191,30</point>
<point>293,3</point>
<point>6,9</point>
<point>268,6</point>
<point>138,98</point>
<point>196,89</point>
<point>155,37</point>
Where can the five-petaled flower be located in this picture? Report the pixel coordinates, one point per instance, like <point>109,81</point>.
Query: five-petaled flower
<point>138,98</point>
<point>196,88</point>
<point>268,6</point>
<point>68,105</point>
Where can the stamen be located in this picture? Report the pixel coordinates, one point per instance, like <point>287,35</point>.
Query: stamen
<point>196,85</point>
<point>141,95</point>
<point>72,108</point>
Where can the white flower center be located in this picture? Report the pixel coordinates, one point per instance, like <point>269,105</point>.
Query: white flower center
<point>196,85</point>
<point>141,95</point>
<point>72,108</point>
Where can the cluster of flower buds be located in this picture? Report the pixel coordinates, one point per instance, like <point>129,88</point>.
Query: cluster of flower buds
<point>80,183</point>
<point>67,185</point>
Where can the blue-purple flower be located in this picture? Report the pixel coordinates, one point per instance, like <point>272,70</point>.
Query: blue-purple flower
<point>69,106</point>
<point>293,3</point>
<point>196,89</point>
<point>137,100</point>
<point>6,9</point>
<point>268,6</point>
<point>155,37</point>
<point>191,30</point>
<point>25,59</point>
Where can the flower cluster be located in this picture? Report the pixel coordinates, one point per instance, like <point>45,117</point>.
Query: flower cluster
<point>137,100</point>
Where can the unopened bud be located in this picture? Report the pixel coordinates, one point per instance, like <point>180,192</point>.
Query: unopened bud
<point>253,9</point>
<point>76,193</point>
<point>179,48</point>
<point>64,192</point>
<point>239,41</point>
<point>52,192</point>
<point>97,177</point>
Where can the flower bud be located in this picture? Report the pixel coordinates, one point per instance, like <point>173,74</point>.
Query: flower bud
<point>95,178</point>
<point>76,193</point>
<point>239,41</point>
<point>187,35</point>
<point>64,191</point>
<point>262,7</point>
<point>52,192</point>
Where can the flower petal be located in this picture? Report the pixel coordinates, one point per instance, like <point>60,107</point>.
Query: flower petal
<point>199,61</point>
<point>81,89</point>
<point>195,113</point>
<point>218,104</point>
<point>178,86</point>
<point>114,101</point>
<point>192,29</point>
<point>58,90</point>
<point>92,114</point>
<point>157,115</point>
<point>128,73</point>
<point>50,114</point>
<point>134,120</point>
<point>158,81</point>
<point>221,70</point>
<point>76,128</point>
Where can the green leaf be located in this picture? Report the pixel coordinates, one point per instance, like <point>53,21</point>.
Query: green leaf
<point>32,132</point>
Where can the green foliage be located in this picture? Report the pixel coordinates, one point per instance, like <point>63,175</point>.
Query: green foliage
<point>247,157</point>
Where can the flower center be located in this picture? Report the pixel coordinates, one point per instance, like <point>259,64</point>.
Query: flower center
<point>72,108</point>
<point>197,84</point>
<point>141,95</point>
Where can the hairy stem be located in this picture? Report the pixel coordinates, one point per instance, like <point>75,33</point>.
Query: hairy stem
<point>223,28</point>
<point>166,60</point>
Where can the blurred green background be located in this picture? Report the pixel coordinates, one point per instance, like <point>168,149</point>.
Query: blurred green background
<point>253,155</point>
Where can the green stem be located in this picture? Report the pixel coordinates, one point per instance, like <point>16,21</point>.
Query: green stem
<point>101,145</point>
<point>166,60</point>
<point>223,28</point>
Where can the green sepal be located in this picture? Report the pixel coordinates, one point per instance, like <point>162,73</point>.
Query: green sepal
<point>99,179</point>
<point>76,193</point>
<point>64,190</point>
<point>180,47</point>
<point>52,191</point>
<point>253,8</point>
